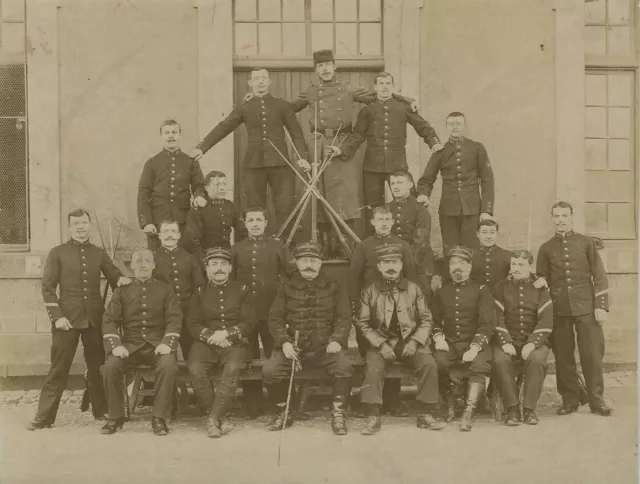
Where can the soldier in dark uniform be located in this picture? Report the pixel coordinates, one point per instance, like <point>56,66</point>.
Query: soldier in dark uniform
<point>383,124</point>
<point>166,184</point>
<point>262,263</point>
<point>221,319</point>
<point>74,269</point>
<point>464,321</point>
<point>210,226</point>
<point>579,289</point>
<point>181,270</point>
<point>524,323</point>
<point>413,225</point>
<point>467,185</point>
<point>265,117</point>
<point>491,263</point>
<point>363,270</point>
<point>148,313</point>
<point>314,304</point>
<point>395,320</point>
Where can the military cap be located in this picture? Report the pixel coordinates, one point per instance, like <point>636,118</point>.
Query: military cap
<point>389,252</point>
<point>218,253</point>
<point>325,55</point>
<point>307,249</point>
<point>461,252</point>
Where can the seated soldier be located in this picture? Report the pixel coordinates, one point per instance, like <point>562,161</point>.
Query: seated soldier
<point>148,313</point>
<point>395,320</point>
<point>314,304</point>
<point>525,321</point>
<point>464,321</point>
<point>221,318</point>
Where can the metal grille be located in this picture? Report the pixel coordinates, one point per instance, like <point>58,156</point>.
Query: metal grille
<point>14,220</point>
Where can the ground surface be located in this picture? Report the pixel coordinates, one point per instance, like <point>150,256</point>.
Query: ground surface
<point>581,448</point>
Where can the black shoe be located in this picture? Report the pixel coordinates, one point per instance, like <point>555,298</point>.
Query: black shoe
<point>567,409</point>
<point>159,426</point>
<point>38,425</point>
<point>465,422</point>
<point>428,421</point>
<point>373,425</point>
<point>513,416</point>
<point>112,425</point>
<point>214,428</point>
<point>398,411</point>
<point>530,417</point>
<point>278,420</point>
<point>601,410</point>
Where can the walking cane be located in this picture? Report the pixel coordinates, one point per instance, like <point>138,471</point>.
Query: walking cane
<point>294,365</point>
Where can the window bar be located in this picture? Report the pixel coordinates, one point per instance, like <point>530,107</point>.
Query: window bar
<point>258,28</point>
<point>307,22</point>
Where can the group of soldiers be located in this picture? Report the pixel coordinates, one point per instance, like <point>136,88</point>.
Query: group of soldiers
<point>490,312</point>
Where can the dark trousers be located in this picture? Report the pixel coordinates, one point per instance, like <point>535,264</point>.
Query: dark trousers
<point>591,350</point>
<point>252,389</point>
<point>422,362</point>
<point>186,340</point>
<point>166,369</point>
<point>459,230</point>
<point>153,242</point>
<point>63,349</point>
<point>281,180</point>
<point>261,330</point>
<point>503,369</point>
<point>203,357</point>
<point>479,368</point>
<point>278,367</point>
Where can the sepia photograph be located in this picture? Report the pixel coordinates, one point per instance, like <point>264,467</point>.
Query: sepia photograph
<point>319,241</point>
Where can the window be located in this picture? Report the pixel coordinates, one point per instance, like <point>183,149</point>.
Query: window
<point>13,146</point>
<point>610,119</point>
<point>296,28</point>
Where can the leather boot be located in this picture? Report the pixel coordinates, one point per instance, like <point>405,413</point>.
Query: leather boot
<point>601,409</point>
<point>476,390</point>
<point>530,417</point>
<point>341,391</point>
<point>513,416</point>
<point>451,401</point>
<point>220,405</point>
<point>374,422</point>
<point>278,395</point>
<point>159,426</point>
<point>38,425</point>
<point>112,426</point>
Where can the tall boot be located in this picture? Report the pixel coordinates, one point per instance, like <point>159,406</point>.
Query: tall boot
<point>373,422</point>
<point>221,404</point>
<point>204,393</point>
<point>451,400</point>
<point>341,391</point>
<point>278,395</point>
<point>476,390</point>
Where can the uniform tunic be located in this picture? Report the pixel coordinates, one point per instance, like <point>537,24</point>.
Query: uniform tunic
<point>211,225</point>
<point>166,184</point>
<point>181,270</point>
<point>490,265</point>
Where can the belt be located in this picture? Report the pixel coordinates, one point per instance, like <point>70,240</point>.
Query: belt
<point>330,133</point>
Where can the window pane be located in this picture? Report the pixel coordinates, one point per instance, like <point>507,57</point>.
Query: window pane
<point>595,154</point>
<point>620,89</point>
<point>322,10</point>
<point>621,221</point>
<point>370,39</point>
<point>270,39</point>
<point>370,10</point>
<point>321,36</point>
<point>346,43</point>
<point>12,95</point>
<point>619,154</point>
<point>13,38</point>
<point>245,10</point>
<point>595,215</point>
<point>269,10</point>
<point>13,182</point>
<point>594,12</point>
<point>596,122</point>
<point>594,40</point>
<point>293,9</point>
<point>246,39</point>
<point>294,39</point>
<point>596,186</point>
<point>12,10</point>
<point>619,42</point>
<point>619,12</point>
<point>619,122</point>
<point>596,90</point>
<point>346,10</point>
<point>619,186</point>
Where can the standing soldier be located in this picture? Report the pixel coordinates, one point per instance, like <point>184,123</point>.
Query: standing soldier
<point>464,321</point>
<point>383,124</point>
<point>73,269</point>
<point>262,263</point>
<point>148,313</point>
<point>523,327</point>
<point>395,320</point>
<point>221,318</point>
<point>579,289</point>
<point>265,117</point>
<point>314,304</point>
<point>466,171</point>
<point>180,270</point>
<point>210,226</point>
<point>167,182</point>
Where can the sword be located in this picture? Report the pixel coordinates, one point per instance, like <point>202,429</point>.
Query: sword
<point>286,407</point>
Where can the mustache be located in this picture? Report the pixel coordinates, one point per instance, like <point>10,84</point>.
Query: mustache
<point>308,269</point>
<point>391,272</point>
<point>218,272</point>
